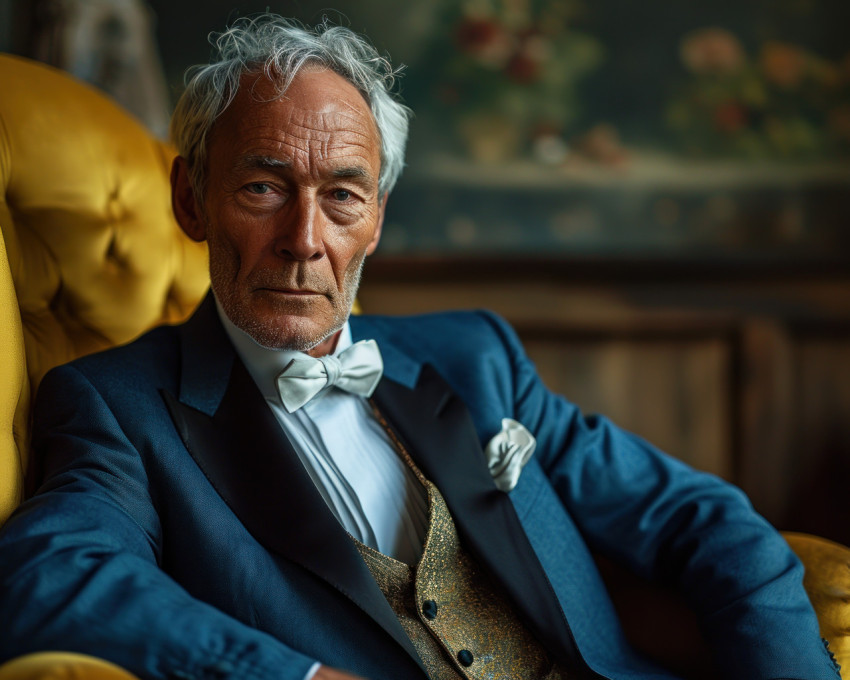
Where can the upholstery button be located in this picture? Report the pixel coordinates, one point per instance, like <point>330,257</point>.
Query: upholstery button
<point>465,657</point>
<point>429,609</point>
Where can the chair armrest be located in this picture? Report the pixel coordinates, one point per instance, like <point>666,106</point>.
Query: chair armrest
<point>827,581</point>
<point>61,666</point>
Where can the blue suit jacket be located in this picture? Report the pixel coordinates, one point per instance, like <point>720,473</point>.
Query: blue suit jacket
<point>177,534</point>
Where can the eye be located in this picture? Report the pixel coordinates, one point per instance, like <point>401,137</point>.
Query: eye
<point>341,195</point>
<point>258,188</point>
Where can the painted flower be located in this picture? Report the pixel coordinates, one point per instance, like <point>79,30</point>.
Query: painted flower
<point>839,122</point>
<point>602,144</point>
<point>526,65</point>
<point>784,65</point>
<point>486,40</point>
<point>712,51</point>
<point>730,117</point>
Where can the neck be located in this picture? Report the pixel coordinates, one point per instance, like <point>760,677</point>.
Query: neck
<point>325,347</point>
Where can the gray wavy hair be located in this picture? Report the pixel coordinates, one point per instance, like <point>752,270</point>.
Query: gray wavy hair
<point>281,48</point>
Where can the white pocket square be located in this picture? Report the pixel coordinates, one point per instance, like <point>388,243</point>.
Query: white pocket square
<point>508,452</point>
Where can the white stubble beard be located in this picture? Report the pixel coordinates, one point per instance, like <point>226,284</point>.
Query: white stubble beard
<point>267,334</point>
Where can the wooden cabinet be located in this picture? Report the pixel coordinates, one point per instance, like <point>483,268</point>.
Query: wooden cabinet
<point>741,368</point>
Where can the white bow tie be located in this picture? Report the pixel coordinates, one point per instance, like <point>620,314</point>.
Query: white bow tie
<point>356,369</point>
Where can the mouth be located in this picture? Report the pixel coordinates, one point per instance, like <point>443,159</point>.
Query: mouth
<point>290,291</point>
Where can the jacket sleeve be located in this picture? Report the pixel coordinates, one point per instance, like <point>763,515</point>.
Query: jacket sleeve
<point>79,562</point>
<point>669,522</point>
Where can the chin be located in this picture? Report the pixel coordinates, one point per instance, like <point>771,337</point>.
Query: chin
<point>290,332</point>
<point>289,324</point>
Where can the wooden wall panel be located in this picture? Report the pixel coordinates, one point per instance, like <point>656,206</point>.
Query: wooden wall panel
<point>673,393</point>
<point>766,421</point>
<point>818,499</point>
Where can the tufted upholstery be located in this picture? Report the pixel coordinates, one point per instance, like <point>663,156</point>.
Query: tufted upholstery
<point>90,253</point>
<point>61,666</point>
<point>827,583</point>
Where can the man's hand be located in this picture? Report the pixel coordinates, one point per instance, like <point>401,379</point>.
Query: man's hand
<point>327,673</point>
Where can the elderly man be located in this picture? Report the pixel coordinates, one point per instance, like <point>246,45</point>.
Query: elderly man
<point>272,490</point>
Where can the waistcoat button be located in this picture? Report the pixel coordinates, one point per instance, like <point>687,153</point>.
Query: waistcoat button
<point>429,609</point>
<point>465,657</point>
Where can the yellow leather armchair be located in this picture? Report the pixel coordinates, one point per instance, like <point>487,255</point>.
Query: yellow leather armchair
<point>90,256</point>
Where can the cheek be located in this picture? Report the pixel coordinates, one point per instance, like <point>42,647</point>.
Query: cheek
<point>237,248</point>
<point>223,255</point>
<point>348,251</point>
<point>356,238</point>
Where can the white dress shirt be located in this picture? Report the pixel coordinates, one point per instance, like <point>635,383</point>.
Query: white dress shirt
<point>348,455</point>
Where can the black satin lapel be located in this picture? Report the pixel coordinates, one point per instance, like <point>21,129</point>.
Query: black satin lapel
<point>437,429</point>
<point>253,467</point>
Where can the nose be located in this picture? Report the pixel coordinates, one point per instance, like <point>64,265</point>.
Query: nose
<point>300,231</point>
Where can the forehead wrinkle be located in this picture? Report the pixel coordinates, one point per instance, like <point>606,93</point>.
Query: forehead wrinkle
<point>330,122</point>
<point>327,135</point>
<point>279,148</point>
<point>266,162</point>
<point>310,133</point>
<point>326,144</point>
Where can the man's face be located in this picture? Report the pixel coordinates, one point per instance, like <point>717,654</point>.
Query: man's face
<point>291,206</point>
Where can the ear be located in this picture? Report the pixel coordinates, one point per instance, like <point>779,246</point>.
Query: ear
<point>183,202</point>
<point>382,210</point>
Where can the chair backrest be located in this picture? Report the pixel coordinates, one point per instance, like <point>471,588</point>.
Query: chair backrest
<point>90,254</point>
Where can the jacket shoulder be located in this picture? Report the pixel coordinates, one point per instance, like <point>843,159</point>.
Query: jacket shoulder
<point>150,358</point>
<point>475,352</point>
<point>447,333</point>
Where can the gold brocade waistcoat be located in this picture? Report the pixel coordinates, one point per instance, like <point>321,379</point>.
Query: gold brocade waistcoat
<point>459,621</point>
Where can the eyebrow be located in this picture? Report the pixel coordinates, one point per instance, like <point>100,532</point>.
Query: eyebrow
<point>263,162</point>
<point>355,172</point>
<point>271,163</point>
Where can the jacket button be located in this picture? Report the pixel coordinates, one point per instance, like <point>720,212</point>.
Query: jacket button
<point>429,609</point>
<point>465,657</point>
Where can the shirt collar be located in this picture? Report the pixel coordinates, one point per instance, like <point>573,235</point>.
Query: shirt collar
<point>265,364</point>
